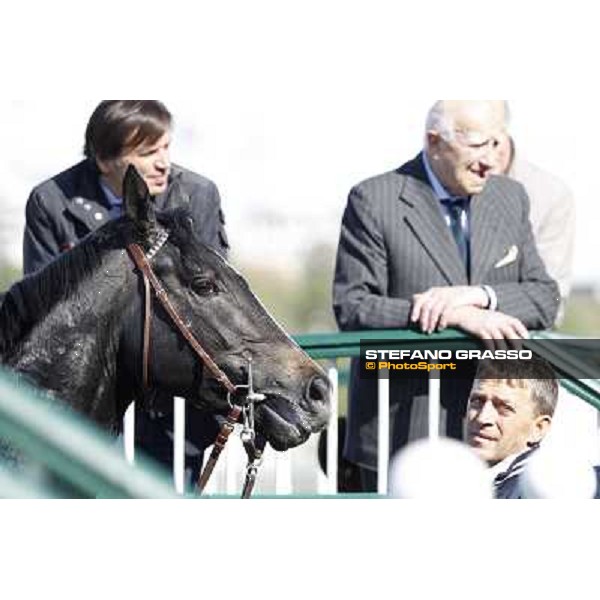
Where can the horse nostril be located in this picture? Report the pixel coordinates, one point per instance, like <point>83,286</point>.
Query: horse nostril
<point>318,389</point>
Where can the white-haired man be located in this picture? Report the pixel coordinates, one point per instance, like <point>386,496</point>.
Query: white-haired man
<point>437,243</point>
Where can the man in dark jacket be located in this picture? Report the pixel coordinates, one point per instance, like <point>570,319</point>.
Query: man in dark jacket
<point>64,209</point>
<point>509,413</point>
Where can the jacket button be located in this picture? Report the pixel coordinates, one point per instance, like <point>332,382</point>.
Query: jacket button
<point>98,216</point>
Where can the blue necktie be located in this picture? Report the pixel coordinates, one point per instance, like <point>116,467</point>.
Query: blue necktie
<point>456,207</point>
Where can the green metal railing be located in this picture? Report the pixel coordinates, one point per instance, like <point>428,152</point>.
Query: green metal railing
<point>64,454</point>
<point>347,344</point>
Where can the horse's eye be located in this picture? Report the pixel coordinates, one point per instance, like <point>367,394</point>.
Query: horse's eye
<point>204,286</point>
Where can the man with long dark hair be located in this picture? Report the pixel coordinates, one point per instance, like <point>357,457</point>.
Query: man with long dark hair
<point>64,209</point>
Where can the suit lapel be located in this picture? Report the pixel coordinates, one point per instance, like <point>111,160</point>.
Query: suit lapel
<point>488,211</point>
<point>424,217</point>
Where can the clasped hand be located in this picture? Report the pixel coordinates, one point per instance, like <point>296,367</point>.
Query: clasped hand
<point>430,308</point>
<point>462,307</point>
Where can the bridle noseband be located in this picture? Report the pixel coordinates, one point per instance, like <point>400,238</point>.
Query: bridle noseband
<point>240,405</point>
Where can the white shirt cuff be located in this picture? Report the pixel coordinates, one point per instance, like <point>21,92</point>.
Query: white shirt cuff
<point>492,298</point>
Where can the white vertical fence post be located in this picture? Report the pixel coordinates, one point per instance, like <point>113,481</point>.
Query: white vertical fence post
<point>129,434</point>
<point>179,444</point>
<point>333,434</point>
<point>383,431</point>
<point>232,462</point>
<point>433,413</point>
<point>327,482</point>
<point>283,473</point>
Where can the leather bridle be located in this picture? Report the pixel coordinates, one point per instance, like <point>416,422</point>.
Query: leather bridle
<point>240,405</point>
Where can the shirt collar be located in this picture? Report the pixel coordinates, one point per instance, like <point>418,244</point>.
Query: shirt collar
<point>509,464</point>
<point>502,466</point>
<point>116,203</point>
<point>438,189</point>
<point>112,198</point>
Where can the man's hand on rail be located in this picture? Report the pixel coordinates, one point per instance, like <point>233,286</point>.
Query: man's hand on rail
<point>496,327</point>
<point>429,306</point>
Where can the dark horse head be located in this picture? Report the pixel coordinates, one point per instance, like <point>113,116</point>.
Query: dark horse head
<point>75,328</point>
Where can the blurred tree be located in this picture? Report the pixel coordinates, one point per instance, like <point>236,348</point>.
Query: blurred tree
<point>300,299</point>
<point>8,275</point>
<point>582,314</point>
<point>312,306</point>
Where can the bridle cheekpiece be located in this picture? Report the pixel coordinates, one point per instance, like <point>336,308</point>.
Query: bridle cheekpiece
<point>239,404</point>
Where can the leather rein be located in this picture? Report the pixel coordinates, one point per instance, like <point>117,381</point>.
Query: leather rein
<point>239,407</point>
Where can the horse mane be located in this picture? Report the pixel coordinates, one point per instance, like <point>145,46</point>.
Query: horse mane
<point>30,300</point>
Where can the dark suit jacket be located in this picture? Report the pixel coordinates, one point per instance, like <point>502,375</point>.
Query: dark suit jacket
<point>507,485</point>
<point>64,209</point>
<point>395,243</point>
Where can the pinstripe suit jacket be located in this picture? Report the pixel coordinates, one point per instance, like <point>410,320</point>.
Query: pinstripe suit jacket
<point>395,243</point>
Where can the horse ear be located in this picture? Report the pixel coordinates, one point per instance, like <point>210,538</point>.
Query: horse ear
<point>138,204</point>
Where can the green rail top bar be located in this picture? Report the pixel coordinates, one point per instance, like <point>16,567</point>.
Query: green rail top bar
<point>77,453</point>
<point>347,344</point>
